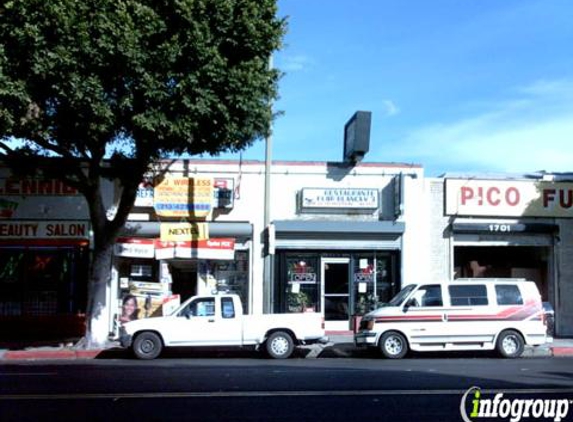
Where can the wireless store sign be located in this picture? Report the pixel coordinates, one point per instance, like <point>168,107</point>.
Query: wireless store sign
<point>183,197</point>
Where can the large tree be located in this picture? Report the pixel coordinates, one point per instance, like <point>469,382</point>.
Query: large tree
<point>103,88</point>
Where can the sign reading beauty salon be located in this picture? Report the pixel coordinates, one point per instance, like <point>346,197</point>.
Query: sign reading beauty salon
<point>508,198</point>
<point>44,230</point>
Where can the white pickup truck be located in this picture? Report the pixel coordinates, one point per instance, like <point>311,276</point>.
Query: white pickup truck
<point>218,320</point>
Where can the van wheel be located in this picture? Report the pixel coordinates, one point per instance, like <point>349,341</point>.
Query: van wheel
<point>147,345</point>
<point>279,345</point>
<point>510,344</point>
<point>393,345</point>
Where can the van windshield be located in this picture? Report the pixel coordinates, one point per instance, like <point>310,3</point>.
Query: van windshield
<point>401,296</point>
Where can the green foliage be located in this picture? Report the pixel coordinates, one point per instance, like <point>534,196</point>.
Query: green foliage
<point>365,303</point>
<point>134,81</point>
<point>146,77</point>
<point>298,301</point>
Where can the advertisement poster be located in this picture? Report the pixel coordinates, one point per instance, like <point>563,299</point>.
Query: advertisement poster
<point>190,197</point>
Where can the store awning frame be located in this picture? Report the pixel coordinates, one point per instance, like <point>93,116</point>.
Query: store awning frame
<point>238,230</point>
<point>339,235</point>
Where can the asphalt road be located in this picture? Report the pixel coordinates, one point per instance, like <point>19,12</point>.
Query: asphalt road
<point>254,389</point>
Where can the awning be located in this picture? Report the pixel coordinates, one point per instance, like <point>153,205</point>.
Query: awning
<point>306,234</point>
<point>215,248</point>
<point>239,230</point>
<point>503,227</point>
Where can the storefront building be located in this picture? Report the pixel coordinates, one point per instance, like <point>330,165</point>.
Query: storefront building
<point>506,227</point>
<point>190,232</point>
<point>342,237</point>
<point>335,243</point>
<point>44,255</point>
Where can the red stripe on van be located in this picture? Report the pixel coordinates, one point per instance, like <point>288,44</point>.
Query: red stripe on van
<point>409,318</point>
<point>530,310</point>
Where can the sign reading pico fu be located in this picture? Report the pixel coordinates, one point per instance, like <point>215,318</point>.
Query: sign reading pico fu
<point>508,198</point>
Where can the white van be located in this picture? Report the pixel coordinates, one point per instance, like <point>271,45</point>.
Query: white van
<point>464,314</point>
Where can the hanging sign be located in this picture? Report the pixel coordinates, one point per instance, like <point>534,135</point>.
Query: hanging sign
<point>134,247</point>
<point>207,249</point>
<point>189,197</point>
<point>184,232</point>
<point>164,250</point>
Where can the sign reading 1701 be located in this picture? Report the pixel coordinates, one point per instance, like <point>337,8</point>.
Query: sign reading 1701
<point>183,197</point>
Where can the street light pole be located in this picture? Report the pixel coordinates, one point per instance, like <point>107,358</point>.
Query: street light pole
<point>268,287</point>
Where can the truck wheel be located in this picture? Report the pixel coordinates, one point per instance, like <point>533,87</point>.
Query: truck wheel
<point>147,345</point>
<point>279,345</point>
<point>393,345</point>
<point>510,344</point>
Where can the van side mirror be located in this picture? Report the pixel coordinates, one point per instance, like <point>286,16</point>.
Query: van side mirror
<point>410,303</point>
<point>186,313</point>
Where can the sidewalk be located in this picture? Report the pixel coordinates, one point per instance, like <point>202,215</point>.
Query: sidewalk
<point>341,345</point>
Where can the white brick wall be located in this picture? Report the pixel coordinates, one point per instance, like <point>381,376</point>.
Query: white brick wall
<point>287,180</point>
<point>564,294</point>
<point>437,224</point>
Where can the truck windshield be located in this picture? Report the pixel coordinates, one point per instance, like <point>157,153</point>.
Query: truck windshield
<point>401,296</point>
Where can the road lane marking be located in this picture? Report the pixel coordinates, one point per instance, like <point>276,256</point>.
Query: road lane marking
<point>28,374</point>
<point>300,393</point>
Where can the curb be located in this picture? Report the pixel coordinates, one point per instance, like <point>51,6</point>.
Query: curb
<point>50,354</point>
<point>562,351</point>
<point>331,350</point>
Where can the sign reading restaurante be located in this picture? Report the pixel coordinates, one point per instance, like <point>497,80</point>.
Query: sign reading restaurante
<point>339,198</point>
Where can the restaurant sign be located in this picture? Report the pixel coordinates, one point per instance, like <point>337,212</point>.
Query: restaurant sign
<point>339,198</point>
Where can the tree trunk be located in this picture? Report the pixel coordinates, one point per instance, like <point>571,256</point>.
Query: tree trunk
<point>98,310</point>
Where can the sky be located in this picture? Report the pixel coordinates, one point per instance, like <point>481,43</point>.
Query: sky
<point>453,85</point>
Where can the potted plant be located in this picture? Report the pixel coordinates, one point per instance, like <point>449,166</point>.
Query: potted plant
<point>297,302</point>
<point>364,304</point>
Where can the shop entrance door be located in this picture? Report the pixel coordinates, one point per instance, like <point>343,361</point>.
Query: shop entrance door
<point>336,294</point>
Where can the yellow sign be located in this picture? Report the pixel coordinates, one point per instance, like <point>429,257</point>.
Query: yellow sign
<point>184,232</point>
<point>190,197</point>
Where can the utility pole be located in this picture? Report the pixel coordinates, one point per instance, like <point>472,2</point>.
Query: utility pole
<point>268,279</point>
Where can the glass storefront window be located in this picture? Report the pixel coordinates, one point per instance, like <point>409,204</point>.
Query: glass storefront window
<point>41,281</point>
<point>231,276</point>
<point>365,279</point>
<point>11,282</point>
<point>371,282</point>
<point>302,284</point>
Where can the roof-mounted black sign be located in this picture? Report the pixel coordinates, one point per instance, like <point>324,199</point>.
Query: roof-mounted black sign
<point>357,136</point>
